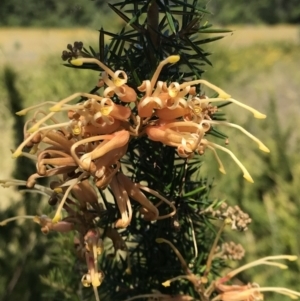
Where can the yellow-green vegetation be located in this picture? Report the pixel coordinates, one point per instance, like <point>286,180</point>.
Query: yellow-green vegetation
<point>264,74</point>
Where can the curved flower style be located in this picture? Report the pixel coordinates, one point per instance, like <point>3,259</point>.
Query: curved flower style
<point>154,99</point>
<point>117,83</point>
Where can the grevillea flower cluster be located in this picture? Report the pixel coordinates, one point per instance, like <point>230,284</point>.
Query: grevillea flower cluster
<point>82,153</point>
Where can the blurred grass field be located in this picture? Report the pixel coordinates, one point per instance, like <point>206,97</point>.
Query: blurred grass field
<point>256,65</point>
<point>19,46</point>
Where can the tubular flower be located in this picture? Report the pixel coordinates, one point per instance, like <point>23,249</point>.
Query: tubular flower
<point>156,99</point>
<point>117,83</point>
<point>93,249</point>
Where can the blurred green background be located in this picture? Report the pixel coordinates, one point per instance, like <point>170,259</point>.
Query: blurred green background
<point>257,64</point>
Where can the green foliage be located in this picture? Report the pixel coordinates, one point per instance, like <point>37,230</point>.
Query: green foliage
<point>272,201</point>
<point>152,39</point>
<point>243,65</point>
<point>151,263</point>
<point>23,248</point>
<point>265,11</point>
<point>52,13</point>
<point>92,13</point>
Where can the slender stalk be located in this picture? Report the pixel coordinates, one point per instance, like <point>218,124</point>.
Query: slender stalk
<point>152,23</point>
<point>152,28</point>
<point>212,250</point>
